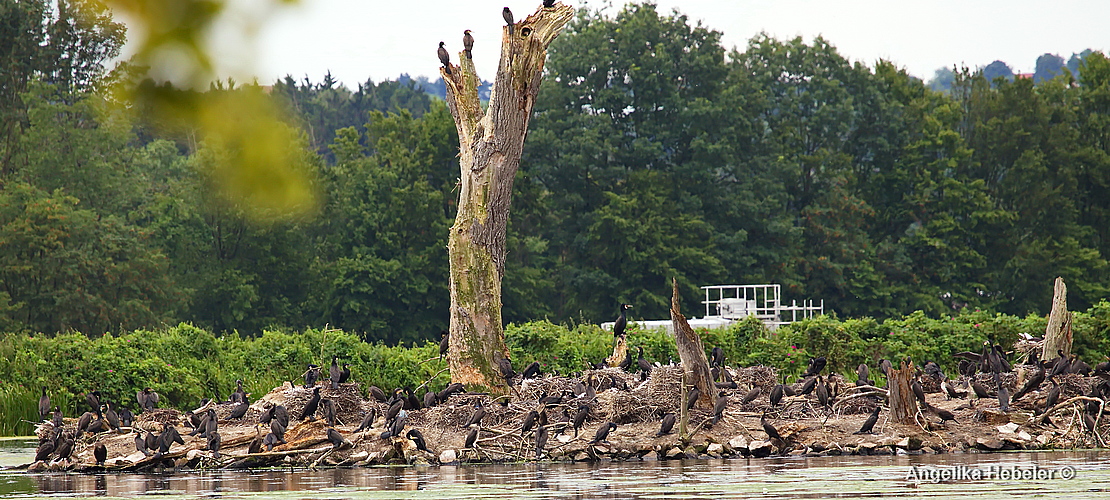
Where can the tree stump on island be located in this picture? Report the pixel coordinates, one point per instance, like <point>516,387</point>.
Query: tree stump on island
<point>903,404</point>
<point>1057,335</point>
<point>490,146</point>
<point>691,352</point>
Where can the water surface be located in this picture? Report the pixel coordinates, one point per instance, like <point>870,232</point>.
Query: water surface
<point>813,477</point>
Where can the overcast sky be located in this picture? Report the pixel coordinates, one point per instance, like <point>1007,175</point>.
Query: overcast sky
<point>360,39</point>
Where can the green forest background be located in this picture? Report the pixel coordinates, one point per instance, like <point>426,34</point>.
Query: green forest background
<point>933,216</point>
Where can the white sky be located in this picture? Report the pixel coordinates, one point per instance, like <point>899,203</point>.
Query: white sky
<point>360,39</point>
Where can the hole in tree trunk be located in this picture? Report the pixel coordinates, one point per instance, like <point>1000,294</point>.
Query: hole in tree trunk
<point>524,32</point>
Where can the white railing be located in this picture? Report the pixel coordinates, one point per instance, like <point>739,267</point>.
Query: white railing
<point>762,301</point>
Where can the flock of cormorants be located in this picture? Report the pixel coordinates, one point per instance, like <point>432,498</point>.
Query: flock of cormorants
<point>105,416</point>
<point>468,39</point>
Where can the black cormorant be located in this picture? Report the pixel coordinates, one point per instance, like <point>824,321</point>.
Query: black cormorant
<point>471,438</point>
<point>270,441</point>
<point>83,422</point>
<point>622,319</point>
<point>776,395</point>
<point>870,422</point>
<point>417,439</point>
<point>345,373</point>
<point>822,391</point>
<point>281,415</point>
<point>547,4</point>
<point>64,448</point>
<point>100,453</point>
<point>719,407</point>
<point>1030,384</point>
<point>239,411</point>
<point>1078,366</point>
<point>529,421</point>
<point>378,394</point>
<point>311,375</point>
<point>1053,395</point>
<point>126,418</point>
<point>751,395</point>
<point>506,368</point>
<point>692,397</point>
<point>476,417</point>
<point>1003,399</point>
<point>626,363</point>
<point>602,434</point>
<point>918,391</point>
<point>769,429</point>
<point>140,445</point>
<point>278,430</point>
<point>394,410</point>
<point>58,417</point>
<point>93,399</point>
<point>44,450</point>
<point>980,391</point>
<point>541,441</point>
<point>468,44</point>
<point>666,425</point>
<point>256,443</point>
<point>815,366</point>
<point>239,395</point>
<point>267,415</point>
<point>335,438</point>
<point>430,399</point>
<point>444,344</point>
<point>368,421</point>
<point>44,404</point>
<point>147,399</point>
<point>531,371</point>
<point>508,15</point>
<point>580,417</point>
<point>808,386</point>
<point>863,374</point>
<point>944,415</point>
<point>309,410</point>
<point>151,441</point>
<point>214,444</point>
<point>334,372</point>
<point>110,416</point>
<point>444,58</point>
<point>329,411</point>
<point>645,365</point>
<point>717,357</point>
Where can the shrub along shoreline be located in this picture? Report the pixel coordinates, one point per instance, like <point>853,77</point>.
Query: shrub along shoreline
<point>185,363</point>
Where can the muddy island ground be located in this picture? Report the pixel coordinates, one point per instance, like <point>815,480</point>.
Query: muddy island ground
<point>637,407</point>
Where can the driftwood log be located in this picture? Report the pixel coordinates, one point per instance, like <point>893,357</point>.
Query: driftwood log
<point>1057,334</point>
<point>490,146</point>
<point>692,353</point>
<point>903,404</point>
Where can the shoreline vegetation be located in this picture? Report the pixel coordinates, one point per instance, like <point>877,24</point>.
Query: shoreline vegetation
<point>185,363</point>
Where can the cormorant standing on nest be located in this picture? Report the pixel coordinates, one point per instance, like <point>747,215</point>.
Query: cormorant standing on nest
<point>751,395</point>
<point>58,417</point>
<point>93,399</point>
<point>815,366</point>
<point>776,395</point>
<point>311,375</point>
<point>378,394</point>
<point>309,410</point>
<point>1003,396</point>
<point>394,410</point>
<point>1031,384</point>
<point>239,411</point>
<point>580,417</point>
<point>111,416</point>
<point>622,320</point>
<point>445,58</point>
<point>100,453</point>
<point>529,421</point>
<point>1053,395</point>
<point>83,422</point>
<point>334,373</point>
<point>44,404</point>
<point>430,399</point>
<point>532,370</point>
<point>140,445</point>
<point>602,434</point>
<point>335,438</point>
<point>508,15</point>
<point>44,450</point>
<point>65,447</point>
<point>368,421</point>
<point>918,391</point>
<point>278,430</point>
<point>822,392</point>
<point>329,411</point>
<point>476,417</point>
<point>1078,366</point>
<point>645,365</point>
<point>417,439</point>
<point>863,375</point>
<point>468,44</point>
<point>147,399</point>
<point>444,343</point>
<point>345,374</point>
<point>666,425</point>
<point>239,395</point>
<point>870,422</point>
<point>506,368</point>
<point>717,357</point>
<point>808,386</point>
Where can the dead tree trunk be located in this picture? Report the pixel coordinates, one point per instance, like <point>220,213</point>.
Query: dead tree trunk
<point>490,146</point>
<point>903,404</point>
<point>1057,334</point>
<point>691,352</point>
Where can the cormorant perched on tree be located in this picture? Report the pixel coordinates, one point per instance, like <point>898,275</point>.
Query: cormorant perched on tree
<point>44,404</point>
<point>547,4</point>
<point>622,320</point>
<point>100,453</point>
<point>870,422</point>
<point>541,441</point>
<point>444,344</point>
<point>602,434</point>
<point>666,425</point>
<point>311,375</point>
<point>468,44</point>
<point>508,15</point>
<point>417,439</point>
<point>309,410</point>
<point>334,372</point>
<point>444,58</point>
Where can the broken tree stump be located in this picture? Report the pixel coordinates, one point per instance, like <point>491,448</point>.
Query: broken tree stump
<point>903,404</point>
<point>691,351</point>
<point>1057,334</point>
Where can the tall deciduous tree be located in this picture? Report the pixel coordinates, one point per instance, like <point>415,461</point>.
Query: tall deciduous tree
<point>490,146</point>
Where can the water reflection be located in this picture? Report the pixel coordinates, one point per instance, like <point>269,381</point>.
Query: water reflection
<point>816,477</point>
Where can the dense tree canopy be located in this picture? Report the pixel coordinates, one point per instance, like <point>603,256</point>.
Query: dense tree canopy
<point>655,152</point>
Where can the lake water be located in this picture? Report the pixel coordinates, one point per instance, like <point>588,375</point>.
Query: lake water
<point>1076,474</point>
